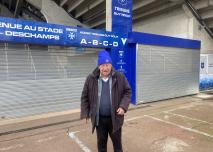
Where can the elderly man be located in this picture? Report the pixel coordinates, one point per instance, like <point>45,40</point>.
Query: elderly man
<point>105,98</point>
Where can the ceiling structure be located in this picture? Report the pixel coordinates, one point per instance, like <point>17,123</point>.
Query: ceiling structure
<point>92,13</point>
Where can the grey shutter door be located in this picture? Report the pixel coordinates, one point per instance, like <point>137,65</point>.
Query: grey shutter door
<point>165,72</point>
<point>41,81</point>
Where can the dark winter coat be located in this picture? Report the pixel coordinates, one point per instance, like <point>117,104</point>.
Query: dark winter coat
<point>120,96</point>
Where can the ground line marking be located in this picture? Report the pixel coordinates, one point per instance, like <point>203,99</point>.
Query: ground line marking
<point>12,147</point>
<point>182,127</point>
<point>133,118</point>
<point>80,143</point>
<point>167,111</point>
<point>188,117</point>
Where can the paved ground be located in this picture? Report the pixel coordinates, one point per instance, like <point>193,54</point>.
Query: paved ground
<point>176,125</point>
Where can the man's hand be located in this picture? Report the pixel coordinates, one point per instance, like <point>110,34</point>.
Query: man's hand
<point>120,111</point>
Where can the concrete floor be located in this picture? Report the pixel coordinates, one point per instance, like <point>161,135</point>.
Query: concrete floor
<point>177,125</point>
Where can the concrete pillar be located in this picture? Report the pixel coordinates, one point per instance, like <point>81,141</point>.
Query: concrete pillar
<point>190,23</point>
<point>109,15</point>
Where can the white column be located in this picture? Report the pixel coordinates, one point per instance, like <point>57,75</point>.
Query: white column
<point>109,15</point>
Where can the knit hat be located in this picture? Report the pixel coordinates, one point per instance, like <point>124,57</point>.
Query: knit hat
<point>104,57</point>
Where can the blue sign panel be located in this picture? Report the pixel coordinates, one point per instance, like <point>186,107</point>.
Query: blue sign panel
<point>16,30</point>
<point>124,58</point>
<point>154,39</point>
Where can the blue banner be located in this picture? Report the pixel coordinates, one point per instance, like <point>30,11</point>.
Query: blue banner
<point>124,58</point>
<point>122,16</point>
<point>16,30</point>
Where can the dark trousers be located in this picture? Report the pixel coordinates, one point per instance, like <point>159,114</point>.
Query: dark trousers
<point>103,129</point>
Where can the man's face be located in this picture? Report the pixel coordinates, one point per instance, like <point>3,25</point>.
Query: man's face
<point>105,69</point>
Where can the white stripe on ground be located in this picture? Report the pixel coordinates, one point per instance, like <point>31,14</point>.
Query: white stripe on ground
<point>12,147</point>
<point>184,107</point>
<point>80,143</point>
<point>139,117</point>
<point>182,127</point>
<point>45,139</point>
<point>188,117</point>
<point>133,118</point>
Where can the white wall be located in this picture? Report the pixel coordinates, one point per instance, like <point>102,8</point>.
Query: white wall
<point>172,24</point>
<point>179,23</point>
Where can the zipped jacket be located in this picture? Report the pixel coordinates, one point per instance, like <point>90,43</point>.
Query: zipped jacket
<point>120,97</point>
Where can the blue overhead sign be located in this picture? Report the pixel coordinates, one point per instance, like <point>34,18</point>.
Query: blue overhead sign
<point>160,40</point>
<point>16,30</point>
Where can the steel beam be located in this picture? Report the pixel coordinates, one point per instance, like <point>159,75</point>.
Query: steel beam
<point>97,23</point>
<point>63,2</point>
<point>76,4</point>
<point>94,4</point>
<point>206,15</point>
<point>155,10</point>
<point>142,4</point>
<point>19,3</point>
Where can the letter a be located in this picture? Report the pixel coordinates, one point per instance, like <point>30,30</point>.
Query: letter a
<point>83,41</point>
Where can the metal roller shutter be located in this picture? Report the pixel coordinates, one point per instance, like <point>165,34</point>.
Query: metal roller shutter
<point>165,72</point>
<point>37,81</point>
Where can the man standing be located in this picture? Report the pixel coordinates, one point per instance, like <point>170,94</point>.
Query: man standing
<point>105,98</point>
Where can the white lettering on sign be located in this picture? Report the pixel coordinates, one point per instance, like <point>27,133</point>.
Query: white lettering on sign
<point>83,41</point>
<point>31,35</point>
<point>51,30</point>
<point>71,29</point>
<point>105,43</point>
<point>122,14</point>
<point>124,10</point>
<point>115,44</point>
<point>124,40</point>
<point>99,34</point>
<point>30,28</point>
<point>10,25</point>
<point>85,33</point>
<point>96,43</point>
